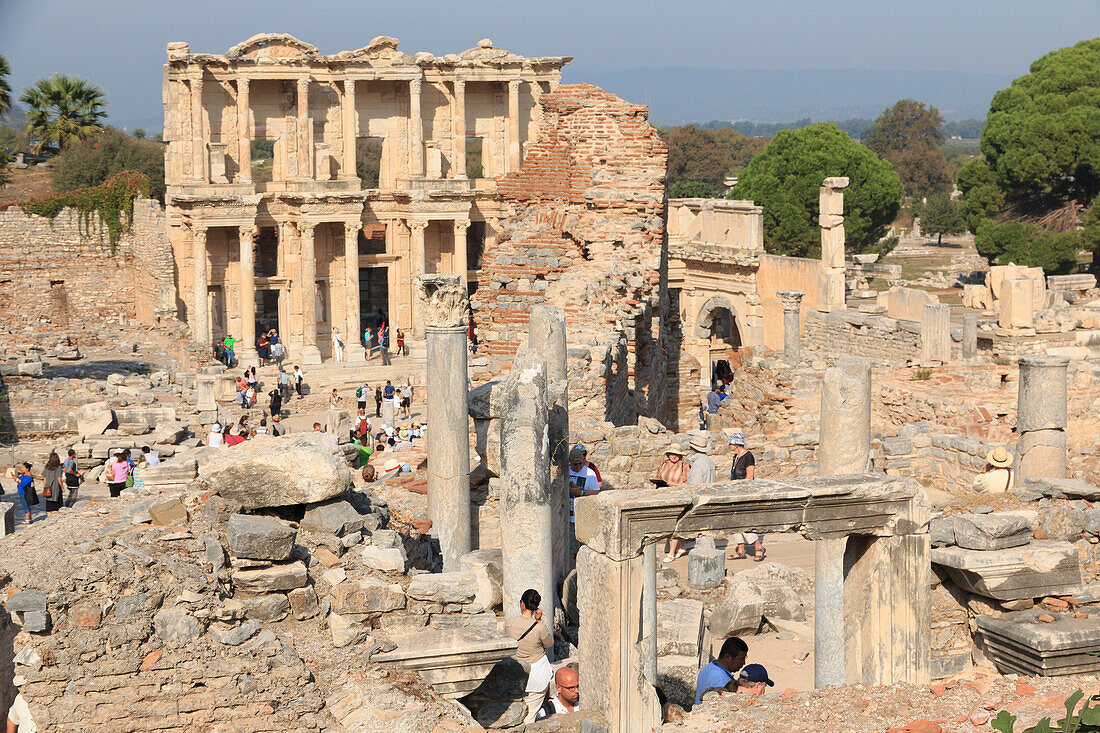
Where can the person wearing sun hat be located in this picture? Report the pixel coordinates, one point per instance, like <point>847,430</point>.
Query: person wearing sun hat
<point>996,477</point>
<point>673,472</point>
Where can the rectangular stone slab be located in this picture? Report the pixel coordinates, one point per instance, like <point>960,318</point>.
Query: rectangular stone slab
<point>1019,642</point>
<point>1041,568</point>
<point>453,661</point>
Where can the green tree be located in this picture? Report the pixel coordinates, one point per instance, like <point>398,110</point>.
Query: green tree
<point>785,179</point>
<point>909,136</point>
<point>5,87</point>
<point>1028,244</point>
<point>5,167</point>
<point>941,215</point>
<point>707,155</point>
<point>691,190</point>
<point>63,107</point>
<point>90,162</point>
<point>368,161</point>
<point>139,133</point>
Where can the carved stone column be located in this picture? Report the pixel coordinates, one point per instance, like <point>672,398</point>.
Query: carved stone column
<point>829,645</point>
<point>1041,417</point>
<point>461,259</point>
<point>305,130</point>
<point>416,130</point>
<point>792,306</point>
<point>198,139</point>
<point>546,336</point>
<point>244,133</point>
<point>515,151</point>
<point>444,304</point>
<point>970,337</point>
<point>247,348</point>
<point>353,330</point>
<point>351,129</point>
<point>310,354</point>
<point>200,297</point>
<point>459,128</point>
<point>831,219</point>
<point>416,268</point>
<point>845,418</point>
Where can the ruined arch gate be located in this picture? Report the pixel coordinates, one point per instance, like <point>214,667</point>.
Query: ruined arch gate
<point>872,582</point>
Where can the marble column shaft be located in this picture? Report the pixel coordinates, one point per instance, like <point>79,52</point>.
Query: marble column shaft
<point>970,336</point>
<point>792,328</point>
<point>845,445</point>
<point>829,644</point>
<point>462,267</point>
<point>417,255</point>
<point>546,335</point>
<point>1041,417</point>
<point>308,258</point>
<point>247,348</point>
<point>351,128</point>
<point>649,612</point>
<point>460,128</point>
<point>244,132</point>
<point>515,150</point>
<point>200,319</point>
<point>526,511</point>
<point>198,139</point>
<point>444,305</point>
<point>935,333</point>
<point>305,130</point>
<point>831,220</point>
<point>416,129</point>
<point>352,326</point>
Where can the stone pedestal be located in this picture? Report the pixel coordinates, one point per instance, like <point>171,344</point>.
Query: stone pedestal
<point>1041,416</point>
<point>845,445</point>
<point>970,337</point>
<point>935,334</point>
<point>829,611</point>
<point>444,306</point>
<point>7,519</point>
<point>792,329</point>
<point>1016,307</point>
<point>388,416</point>
<point>547,338</point>
<point>526,512</point>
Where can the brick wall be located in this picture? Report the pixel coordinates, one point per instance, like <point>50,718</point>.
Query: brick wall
<point>61,272</point>
<point>584,231</point>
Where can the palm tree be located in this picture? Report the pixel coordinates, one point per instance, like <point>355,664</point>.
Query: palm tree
<point>62,107</point>
<point>5,88</point>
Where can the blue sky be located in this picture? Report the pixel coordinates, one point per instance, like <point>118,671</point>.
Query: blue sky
<point>119,44</point>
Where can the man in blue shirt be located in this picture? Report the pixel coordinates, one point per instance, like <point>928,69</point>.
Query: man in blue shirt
<point>719,674</point>
<point>714,399</point>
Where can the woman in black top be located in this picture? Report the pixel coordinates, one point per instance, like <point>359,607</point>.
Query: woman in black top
<point>744,469</point>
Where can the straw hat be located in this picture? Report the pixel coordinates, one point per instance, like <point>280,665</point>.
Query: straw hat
<point>675,449</point>
<point>999,457</point>
<point>699,443</point>
<point>391,465</point>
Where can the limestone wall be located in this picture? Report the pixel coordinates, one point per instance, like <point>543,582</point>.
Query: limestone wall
<point>785,273</point>
<point>62,273</point>
<point>885,341</point>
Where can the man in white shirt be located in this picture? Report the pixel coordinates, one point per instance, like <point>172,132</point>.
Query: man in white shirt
<point>582,479</point>
<point>568,697</point>
<point>151,458</point>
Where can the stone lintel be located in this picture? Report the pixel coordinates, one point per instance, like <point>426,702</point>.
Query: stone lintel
<point>619,523</point>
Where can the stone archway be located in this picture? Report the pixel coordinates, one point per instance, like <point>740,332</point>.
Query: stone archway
<point>718,319</point>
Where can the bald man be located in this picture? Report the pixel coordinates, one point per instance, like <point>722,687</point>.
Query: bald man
<point>568,697</point>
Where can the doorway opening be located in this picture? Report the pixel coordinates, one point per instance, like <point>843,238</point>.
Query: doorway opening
<point>267,311</point>
<point>374,295</point>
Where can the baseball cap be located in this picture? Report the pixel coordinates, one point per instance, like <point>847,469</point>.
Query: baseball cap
<point>580,447</point>
<point>756,673</point>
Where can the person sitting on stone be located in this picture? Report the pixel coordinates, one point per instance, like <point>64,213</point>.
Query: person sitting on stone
<point>719,674</point>
<point>753,679</point>
<point>276,428</point>
<point>215,438</point>
<point>568,694</point>
<point>672,473</point>
<point>997,475</point>
<point>534,639</point>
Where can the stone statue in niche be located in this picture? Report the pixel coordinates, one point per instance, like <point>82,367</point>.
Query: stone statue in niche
<point>444,300</point>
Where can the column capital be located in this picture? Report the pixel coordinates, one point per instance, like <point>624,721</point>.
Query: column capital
<point>461,225</point>
<point>198,231</point>
<point>791,299</point>
<point>444,300</point>
<point>513,85</point>
<point>242,81</point>
<point>303,83</point>
<point>247,230</point>
<point>352,227</point>
<point>418,225</point>
<point>415,84</point>
<point>305,227</point>
<point>459,85</point>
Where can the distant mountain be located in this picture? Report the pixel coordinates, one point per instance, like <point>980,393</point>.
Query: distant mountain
<point>679,95</point>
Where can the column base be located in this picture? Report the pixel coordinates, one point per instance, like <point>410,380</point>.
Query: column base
<point>307,355</point>
<point>355,354</point>
<point>246,357</point>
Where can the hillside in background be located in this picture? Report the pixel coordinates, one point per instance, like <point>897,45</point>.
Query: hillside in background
<point>681,95</point>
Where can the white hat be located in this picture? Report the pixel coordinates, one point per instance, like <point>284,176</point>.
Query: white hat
<point>737,439</point>
<point>391,465</point>
<point>699,443</point>
<point>216,428</point>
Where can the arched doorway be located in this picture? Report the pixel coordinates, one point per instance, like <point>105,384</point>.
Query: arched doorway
<point>717,327</point>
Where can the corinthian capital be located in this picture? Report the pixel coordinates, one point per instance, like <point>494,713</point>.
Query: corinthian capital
<point>444,300</point>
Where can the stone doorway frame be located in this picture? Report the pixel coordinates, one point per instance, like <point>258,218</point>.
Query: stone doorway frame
<point>872,581</point>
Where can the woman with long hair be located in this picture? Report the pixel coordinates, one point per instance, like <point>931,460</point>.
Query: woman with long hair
<point>534,639</point>
<point>53,483</point>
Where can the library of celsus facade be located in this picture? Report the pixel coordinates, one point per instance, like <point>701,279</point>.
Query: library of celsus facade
<point>270,221</point>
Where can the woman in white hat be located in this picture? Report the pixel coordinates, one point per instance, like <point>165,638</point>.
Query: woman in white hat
<point>215,438</point>
<point>996,476</point>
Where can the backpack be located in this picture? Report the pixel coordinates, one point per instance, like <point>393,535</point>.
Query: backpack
<point>359,393</point>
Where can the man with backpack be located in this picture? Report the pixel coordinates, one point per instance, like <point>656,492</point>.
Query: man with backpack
<point>361,393</point>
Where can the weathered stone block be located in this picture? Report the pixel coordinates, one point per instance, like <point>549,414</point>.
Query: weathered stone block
<point>333,517</point>
<point>345,632</point>
<point>303,603</point>
<point>991,531</point>
<point>366,596</point>
<point>174,624</point>
<point>260,538</point>
<point>453,587</point>
<point>171,513</point>
<point>386,559</point>
<point>1040,568</point>
<point>706,568</point>
<point>740,610</point>
<point>275,578</point>
<point>271,607</point>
